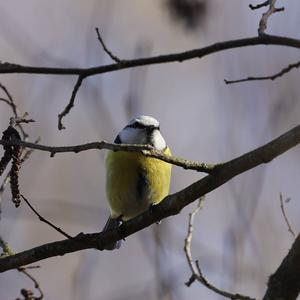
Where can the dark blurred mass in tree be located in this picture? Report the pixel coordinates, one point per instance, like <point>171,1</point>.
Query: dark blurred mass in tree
<point>190,12</point>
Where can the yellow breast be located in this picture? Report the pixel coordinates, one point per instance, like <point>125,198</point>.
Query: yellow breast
<point>134,181</point>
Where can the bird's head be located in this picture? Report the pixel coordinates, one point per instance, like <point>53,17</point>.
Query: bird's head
<point>142,130</point>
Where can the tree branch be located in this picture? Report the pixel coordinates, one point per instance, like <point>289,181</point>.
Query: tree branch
<point>253,7</point>
<point>195,266</point>
<point>42,219</point>
<point>264,19</point>
<point>106,50</point>
<point>8,68</point>
<point>29,293</point>
<point>286,219</point>
<point>264,39</point>
<point>171,205</point>
<point>147,150</point>
<point>284,284</point>
<point>71,102</point>
<point>271,77</point>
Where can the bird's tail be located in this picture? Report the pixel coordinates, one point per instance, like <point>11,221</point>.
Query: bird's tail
<point>110,225</point>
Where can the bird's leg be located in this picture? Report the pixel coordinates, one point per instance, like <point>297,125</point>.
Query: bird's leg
<point>152,208</point>
<point>120,221</point>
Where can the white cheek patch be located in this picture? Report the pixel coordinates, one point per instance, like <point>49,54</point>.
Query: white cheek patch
<point>158,141</point>
<point>139,136</point>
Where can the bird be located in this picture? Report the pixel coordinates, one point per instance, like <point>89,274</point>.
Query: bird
<point>135,182</point>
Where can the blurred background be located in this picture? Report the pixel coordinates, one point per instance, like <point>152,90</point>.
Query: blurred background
<point>240,236</point>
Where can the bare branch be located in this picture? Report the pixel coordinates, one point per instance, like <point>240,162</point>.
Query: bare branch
<point>23,120</point>
<point>110,54</point>
<point>290,229</point>
<point>271,77</point>
<point>10,100</point>
<point>264,19</point>
<point>188,243</point>
<point>284,283</point>
<point>171,205</point>
<point>253,7</point>
<point>147,150</point>
<point>71,102</point>
<point>7,68</point>
<point>17,118</point>
<point>42,219</point>
<point>35,282</point>
<point>197,273</point>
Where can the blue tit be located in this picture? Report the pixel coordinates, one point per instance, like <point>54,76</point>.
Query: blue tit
<point>133,181</point>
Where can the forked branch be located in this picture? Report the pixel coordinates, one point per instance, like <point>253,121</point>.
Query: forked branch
<point>171,205</point>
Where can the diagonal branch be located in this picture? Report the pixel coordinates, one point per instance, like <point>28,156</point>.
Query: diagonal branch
<point>110,54</point>
<point>271,77</point>
<point>71,102</point>
<point>171,205</point>
<point>42,219</point>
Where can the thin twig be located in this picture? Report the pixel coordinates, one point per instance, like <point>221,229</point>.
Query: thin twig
<point>10,100</point>
<point>110,54</point>
<point>71,102</point>
<point>265,16</point>
<point>290,229</point>
<point>5,100</point>
<point>147,150</point>
<point>35,282</point>
<point>253,7</point>
<point>197,273</point>
<point>42,219</point>
<point>17,118</point>
<point>79,81</point>
<point>188,243</point>
<point>271,77</point>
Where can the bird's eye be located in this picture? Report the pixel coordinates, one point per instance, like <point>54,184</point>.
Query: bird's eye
<point>136,125</point>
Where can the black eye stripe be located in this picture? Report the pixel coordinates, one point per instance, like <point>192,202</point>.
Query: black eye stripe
<point>142,126</point>
<point>118,140</point>
<point>136,125</point>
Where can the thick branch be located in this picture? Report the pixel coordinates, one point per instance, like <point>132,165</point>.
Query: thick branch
<point>171,205</point>
<point>284,284</point>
